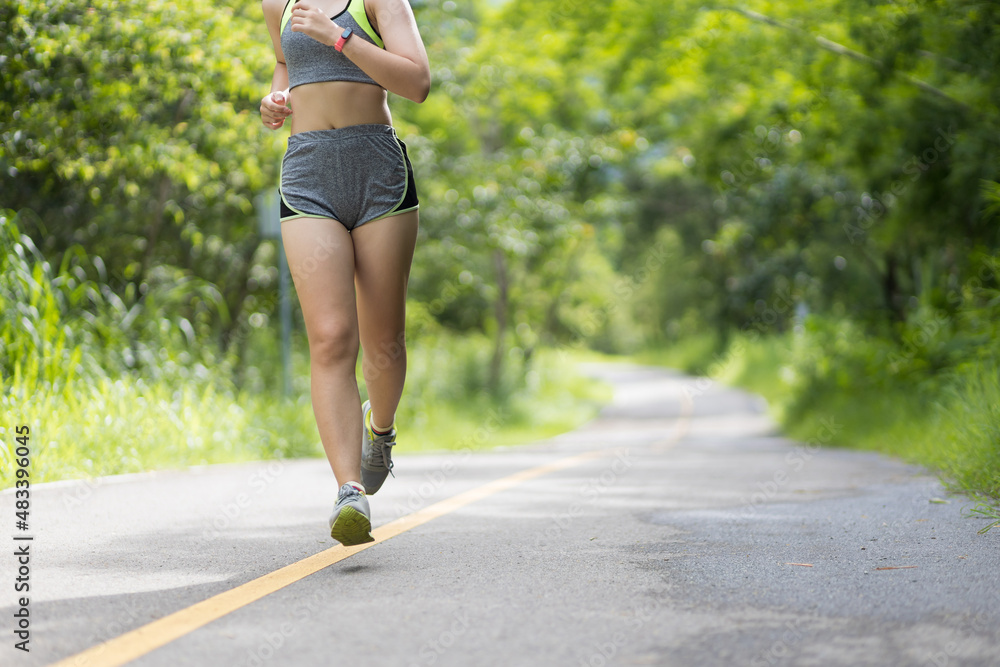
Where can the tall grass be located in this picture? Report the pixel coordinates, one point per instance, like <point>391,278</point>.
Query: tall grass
<point>96,378</point>
<point>445,405</point>
<point>967,443</point>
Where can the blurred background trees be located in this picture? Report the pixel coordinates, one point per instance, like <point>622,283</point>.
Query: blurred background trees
<point>617,176</point>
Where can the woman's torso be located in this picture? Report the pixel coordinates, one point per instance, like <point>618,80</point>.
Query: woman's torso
<point>325,105</point>
<point>332,104</point>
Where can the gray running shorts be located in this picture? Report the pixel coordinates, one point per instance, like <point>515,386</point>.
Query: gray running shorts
<point>353,174</point>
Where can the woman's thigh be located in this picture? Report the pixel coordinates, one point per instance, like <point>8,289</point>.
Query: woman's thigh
<point>321,259</point>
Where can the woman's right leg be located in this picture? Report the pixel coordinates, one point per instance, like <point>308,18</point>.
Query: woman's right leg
<point>321,257</point>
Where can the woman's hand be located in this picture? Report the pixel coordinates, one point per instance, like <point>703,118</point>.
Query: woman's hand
<point>275,108</point>
<point>314,22</point>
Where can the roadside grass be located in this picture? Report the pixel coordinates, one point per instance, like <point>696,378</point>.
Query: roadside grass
<point>107,427</point>
<point>108,385</point>
<point>557,399</point>
<point>949,422</point>
<point>984,510</point>
<point>103,426</point>
<point>691,355</point>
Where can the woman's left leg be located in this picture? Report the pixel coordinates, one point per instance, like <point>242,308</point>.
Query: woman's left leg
<point>383,251</point>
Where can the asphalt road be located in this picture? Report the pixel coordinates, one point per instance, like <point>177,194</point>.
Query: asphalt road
<point>694,535</point>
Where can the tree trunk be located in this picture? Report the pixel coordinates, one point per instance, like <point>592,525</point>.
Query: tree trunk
<point>165,185</point>
<point>155,225</point>
<point>235,334</point>
<point>500,312</point>
<point>890,289</point>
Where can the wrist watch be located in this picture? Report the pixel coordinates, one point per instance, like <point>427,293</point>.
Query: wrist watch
<point>343,39</point>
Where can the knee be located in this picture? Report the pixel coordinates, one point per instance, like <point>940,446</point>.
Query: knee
<point>333,343</point>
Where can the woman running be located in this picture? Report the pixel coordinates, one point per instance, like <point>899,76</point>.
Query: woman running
<point>349,220</point>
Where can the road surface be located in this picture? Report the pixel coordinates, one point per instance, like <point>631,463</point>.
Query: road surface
<point>677,528</point>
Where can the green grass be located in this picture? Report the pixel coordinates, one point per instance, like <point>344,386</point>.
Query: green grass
<point>126,425</point>
<point>103,427</point>
<point>556,399</point>
<point>691,355</point>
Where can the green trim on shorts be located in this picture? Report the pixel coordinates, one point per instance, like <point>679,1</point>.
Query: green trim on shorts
<point>281,194</point>
<point>392,213</point>
<point>406,187</point>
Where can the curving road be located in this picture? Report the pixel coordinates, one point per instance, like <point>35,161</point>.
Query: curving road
<point>676,529</point>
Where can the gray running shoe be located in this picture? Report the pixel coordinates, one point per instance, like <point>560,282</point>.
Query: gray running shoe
<point>376,453</point>
<point>351,521</point>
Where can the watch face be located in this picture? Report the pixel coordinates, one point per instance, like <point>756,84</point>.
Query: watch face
<point>347,33</point>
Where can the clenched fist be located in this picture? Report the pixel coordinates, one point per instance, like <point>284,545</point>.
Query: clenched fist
<point>275,108</point>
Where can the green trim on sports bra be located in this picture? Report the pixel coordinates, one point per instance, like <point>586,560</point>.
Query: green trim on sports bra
<point>358,12</point>
<point>361,16</point>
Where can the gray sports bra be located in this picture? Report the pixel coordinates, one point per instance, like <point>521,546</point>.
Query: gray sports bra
<point>309,61</point>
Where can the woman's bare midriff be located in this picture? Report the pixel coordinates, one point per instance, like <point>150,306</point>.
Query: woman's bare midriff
<point>333,104</point>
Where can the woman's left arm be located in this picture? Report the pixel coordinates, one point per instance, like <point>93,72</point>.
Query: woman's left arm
<point>401,68</point>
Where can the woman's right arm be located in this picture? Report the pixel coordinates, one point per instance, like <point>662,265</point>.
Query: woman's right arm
<point>274,107</point>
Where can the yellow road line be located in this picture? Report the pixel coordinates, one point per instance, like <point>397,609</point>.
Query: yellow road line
<point>139,642</point>
<point>682,428</point>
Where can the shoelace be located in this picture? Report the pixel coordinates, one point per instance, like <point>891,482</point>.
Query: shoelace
<point>387,456</point>
<point>383,448</point>
<point>347,494</point>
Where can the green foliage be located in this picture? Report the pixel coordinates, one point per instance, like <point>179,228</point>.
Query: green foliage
<point>99,416</point>
<point>445,405</point>
<point>38,345</point>
<point>107,426</point>
<point>811,187</point>
<point>126,130</point>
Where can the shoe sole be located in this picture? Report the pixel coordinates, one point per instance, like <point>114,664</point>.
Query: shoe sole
<point>351,528</point>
